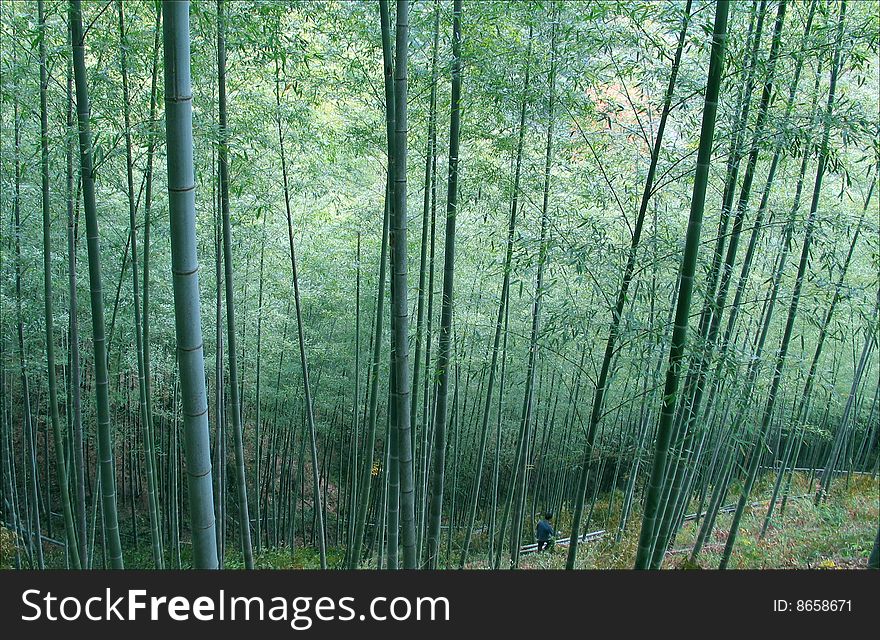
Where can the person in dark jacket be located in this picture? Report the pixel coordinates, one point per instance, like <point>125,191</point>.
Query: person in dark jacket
<point>545,532</point>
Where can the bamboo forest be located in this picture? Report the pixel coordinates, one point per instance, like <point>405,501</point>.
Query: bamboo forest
<point>439,284</point>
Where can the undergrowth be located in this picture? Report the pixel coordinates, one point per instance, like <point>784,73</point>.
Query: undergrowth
<point>839,533</point>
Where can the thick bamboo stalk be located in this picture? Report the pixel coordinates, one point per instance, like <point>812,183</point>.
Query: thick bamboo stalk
<point>102,395</point>
<point>185,268</point>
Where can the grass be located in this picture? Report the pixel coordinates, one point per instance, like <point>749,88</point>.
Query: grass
<point>838,534</point>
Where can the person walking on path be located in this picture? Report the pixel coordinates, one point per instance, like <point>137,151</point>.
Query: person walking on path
<point>545,532</point>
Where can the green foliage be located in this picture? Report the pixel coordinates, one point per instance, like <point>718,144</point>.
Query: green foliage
<point>614,68</point>
<point>8,548</point>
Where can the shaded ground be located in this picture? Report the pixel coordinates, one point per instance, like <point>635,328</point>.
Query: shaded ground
<point>838,534</point>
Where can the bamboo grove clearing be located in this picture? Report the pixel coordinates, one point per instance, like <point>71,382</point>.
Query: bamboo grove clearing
<point>378,284</point>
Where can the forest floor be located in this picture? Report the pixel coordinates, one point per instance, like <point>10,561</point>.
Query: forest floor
<point>837,534</point>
